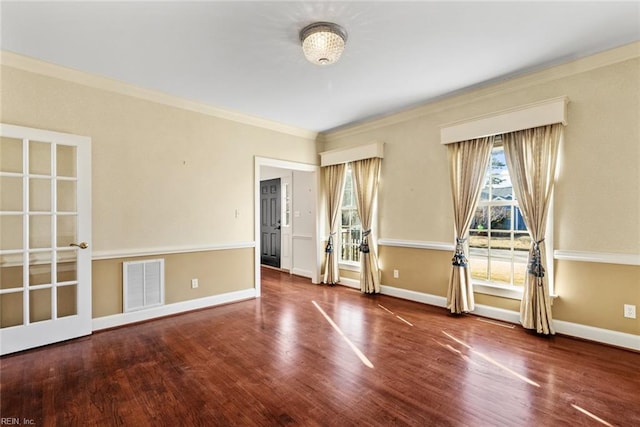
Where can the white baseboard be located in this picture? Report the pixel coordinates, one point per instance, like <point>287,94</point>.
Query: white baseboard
<point>302,272</point>
<point>175,308</point>
<point>497,313</point>
<point>436,300</point>
<point>605,336</point>
<point>351,283</point>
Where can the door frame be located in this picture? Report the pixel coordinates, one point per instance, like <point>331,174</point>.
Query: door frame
<point>295,166</point>
<point>80,324</point>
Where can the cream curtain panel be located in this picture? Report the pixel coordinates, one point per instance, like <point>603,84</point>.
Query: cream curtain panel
<point>334,177</point>
<point>531,156</point>
<point>366,178</point>
<point>468,161</point>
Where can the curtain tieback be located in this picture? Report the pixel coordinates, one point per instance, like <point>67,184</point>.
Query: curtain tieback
<point>459,260</point>
<point>329,248</point>
<point>364,246</point>
<point>535,265</point>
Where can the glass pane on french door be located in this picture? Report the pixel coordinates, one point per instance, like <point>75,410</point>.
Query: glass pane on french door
<point>44,275</point>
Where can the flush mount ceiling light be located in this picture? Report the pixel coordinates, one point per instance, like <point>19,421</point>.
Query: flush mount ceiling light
<point>323,42</point>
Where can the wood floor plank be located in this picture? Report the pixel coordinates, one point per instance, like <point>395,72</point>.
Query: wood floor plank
<point>277,361</point>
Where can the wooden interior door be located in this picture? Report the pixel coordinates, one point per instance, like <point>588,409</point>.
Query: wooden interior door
<point>45,227</point>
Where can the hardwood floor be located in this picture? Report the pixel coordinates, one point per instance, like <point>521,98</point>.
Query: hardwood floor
<point>277,360</point>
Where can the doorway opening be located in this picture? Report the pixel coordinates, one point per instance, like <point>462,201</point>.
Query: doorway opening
<point>298,226</point>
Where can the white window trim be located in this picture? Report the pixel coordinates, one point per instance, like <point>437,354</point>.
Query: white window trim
<point>349,265</point>
<point>488,288</point>
<point>355,265</point>
<point>516,292</point>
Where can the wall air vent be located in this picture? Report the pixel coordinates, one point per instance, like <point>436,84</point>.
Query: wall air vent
<point>143,284</point>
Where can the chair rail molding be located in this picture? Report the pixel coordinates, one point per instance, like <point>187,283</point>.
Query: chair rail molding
<point>598,257</point>
<point>417,244</point>
<point>168,250</point>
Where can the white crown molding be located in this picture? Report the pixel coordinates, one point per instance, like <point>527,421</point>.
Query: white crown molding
<point>416,244</point>
<point>32,65</point>
<point>168,250</point>
<point>166,310</point>
<point>489,89</point>
<point>598,257</point>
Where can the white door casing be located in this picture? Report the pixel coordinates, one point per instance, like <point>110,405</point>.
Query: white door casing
<point>45,222</point>
<point>314,255</point>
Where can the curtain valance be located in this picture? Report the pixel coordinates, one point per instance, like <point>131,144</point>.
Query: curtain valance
<point>528,116</point>
<point>352,154</point>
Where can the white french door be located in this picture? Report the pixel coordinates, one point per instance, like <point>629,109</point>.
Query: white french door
<point>45,227</point>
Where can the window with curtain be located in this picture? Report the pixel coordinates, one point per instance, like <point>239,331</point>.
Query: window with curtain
<point>351,230</point>
<point>498,238</point>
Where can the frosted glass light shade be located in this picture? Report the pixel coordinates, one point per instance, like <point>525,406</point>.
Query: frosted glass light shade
<point>323,42</point>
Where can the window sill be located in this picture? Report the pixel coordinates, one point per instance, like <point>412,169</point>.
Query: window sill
<point>498,291</point>
<point>349,266</point>
<point>503,291</point>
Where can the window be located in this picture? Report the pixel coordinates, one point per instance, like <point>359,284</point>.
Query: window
<point>286,196</point>
<point>351,230</point>
<point>498,238</point>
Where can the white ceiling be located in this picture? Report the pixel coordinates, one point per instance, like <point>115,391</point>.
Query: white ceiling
<point>246,56</point>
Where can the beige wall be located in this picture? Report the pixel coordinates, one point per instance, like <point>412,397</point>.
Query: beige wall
<point>217,272</point>
<point>162,177</point>
<point>591,294</point>
<point>597,198</point>
<point>419,270</point>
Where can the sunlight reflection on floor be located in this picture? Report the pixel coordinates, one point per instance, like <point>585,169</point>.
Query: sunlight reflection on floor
<point>355,349</point>
<point>492,361</point>
<point>589,414</point>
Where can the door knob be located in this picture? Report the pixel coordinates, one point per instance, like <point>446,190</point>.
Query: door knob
<point>81,245</point>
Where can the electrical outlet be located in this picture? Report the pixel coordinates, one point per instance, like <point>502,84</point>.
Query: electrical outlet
<point>194,283</point>
<point>396,274</point>
<point>630,311</point>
